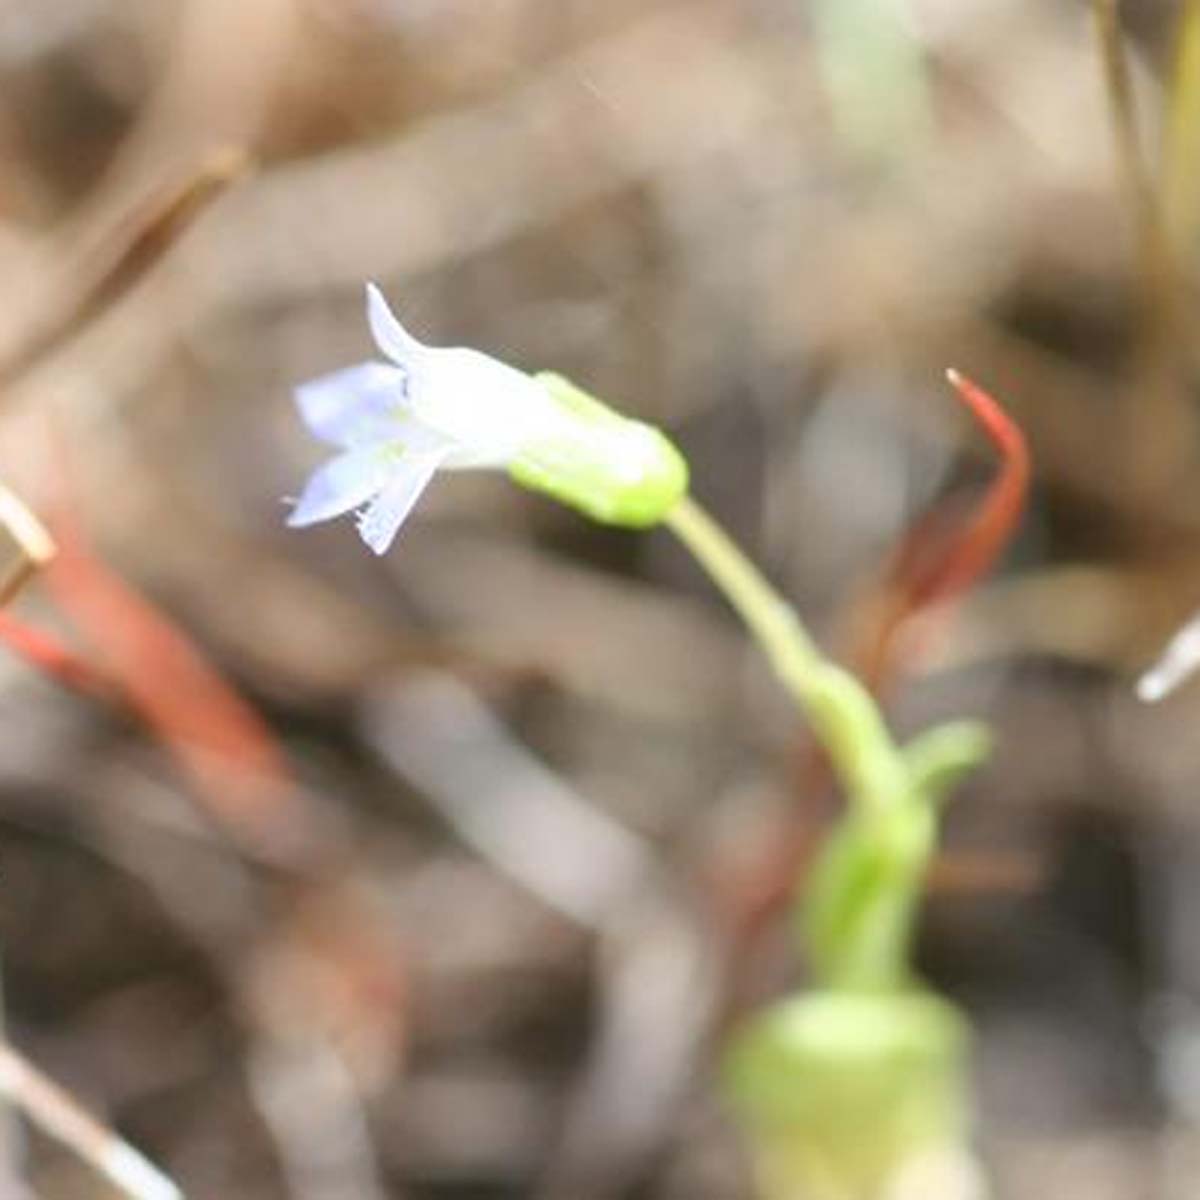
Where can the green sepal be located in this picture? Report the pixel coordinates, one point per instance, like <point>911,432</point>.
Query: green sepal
<point>613,469</point>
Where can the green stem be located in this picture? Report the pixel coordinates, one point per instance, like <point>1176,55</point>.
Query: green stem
<point>771,620</point>
<point>842,713</point>
<point>814,1079</point>
<point>855,912</point>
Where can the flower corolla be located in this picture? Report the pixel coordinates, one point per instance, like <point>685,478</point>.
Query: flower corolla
<point>427,408</point>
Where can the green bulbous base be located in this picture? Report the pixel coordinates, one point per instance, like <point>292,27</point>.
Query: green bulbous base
<point>837,1091</point>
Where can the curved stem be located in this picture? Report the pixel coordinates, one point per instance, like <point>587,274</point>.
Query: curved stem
<point>772,621</point>
<point>843,715</point>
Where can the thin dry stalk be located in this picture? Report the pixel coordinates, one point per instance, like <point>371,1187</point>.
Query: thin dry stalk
<point>57,1113</point>
<point>1181,149</point>
<point>1161,421</point>
<point>120,255</point>
<point>1131,159</point>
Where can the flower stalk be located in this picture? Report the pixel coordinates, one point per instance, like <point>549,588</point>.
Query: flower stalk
<point>839,1086</point>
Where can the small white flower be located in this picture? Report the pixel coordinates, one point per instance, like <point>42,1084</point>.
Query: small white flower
<point>398,422</point>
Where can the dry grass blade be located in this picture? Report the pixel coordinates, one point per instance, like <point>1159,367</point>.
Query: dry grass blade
<point>1161,419</point>
<point>1181,159</point>
<point>1131,159</point>
<point>942,557</point>
<point>117,257</point>
<point>57,1113</point>
<point>994,522</point>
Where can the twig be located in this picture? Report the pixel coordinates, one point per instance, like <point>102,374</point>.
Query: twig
<point>34,542</point>
<point>57,1113</point>
<point>146,661</point>
<point>54,658</point>
<point>218,739</point>
<point>120,255</point>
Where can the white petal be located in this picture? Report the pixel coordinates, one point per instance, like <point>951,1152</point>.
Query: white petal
<point>341,484</point>
<point>354,406</point>
<point>486,406</point>
<point>390,336</point>
<point>385,514</point>
<point>414,436</point>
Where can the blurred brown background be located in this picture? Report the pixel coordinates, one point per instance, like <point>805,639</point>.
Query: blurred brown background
<point>487,947</point>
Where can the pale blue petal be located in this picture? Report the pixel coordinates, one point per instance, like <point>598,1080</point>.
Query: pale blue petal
<point>381,521</point>
<point>341,484</point>
<point>390,336</point>
<point>354,406</point>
